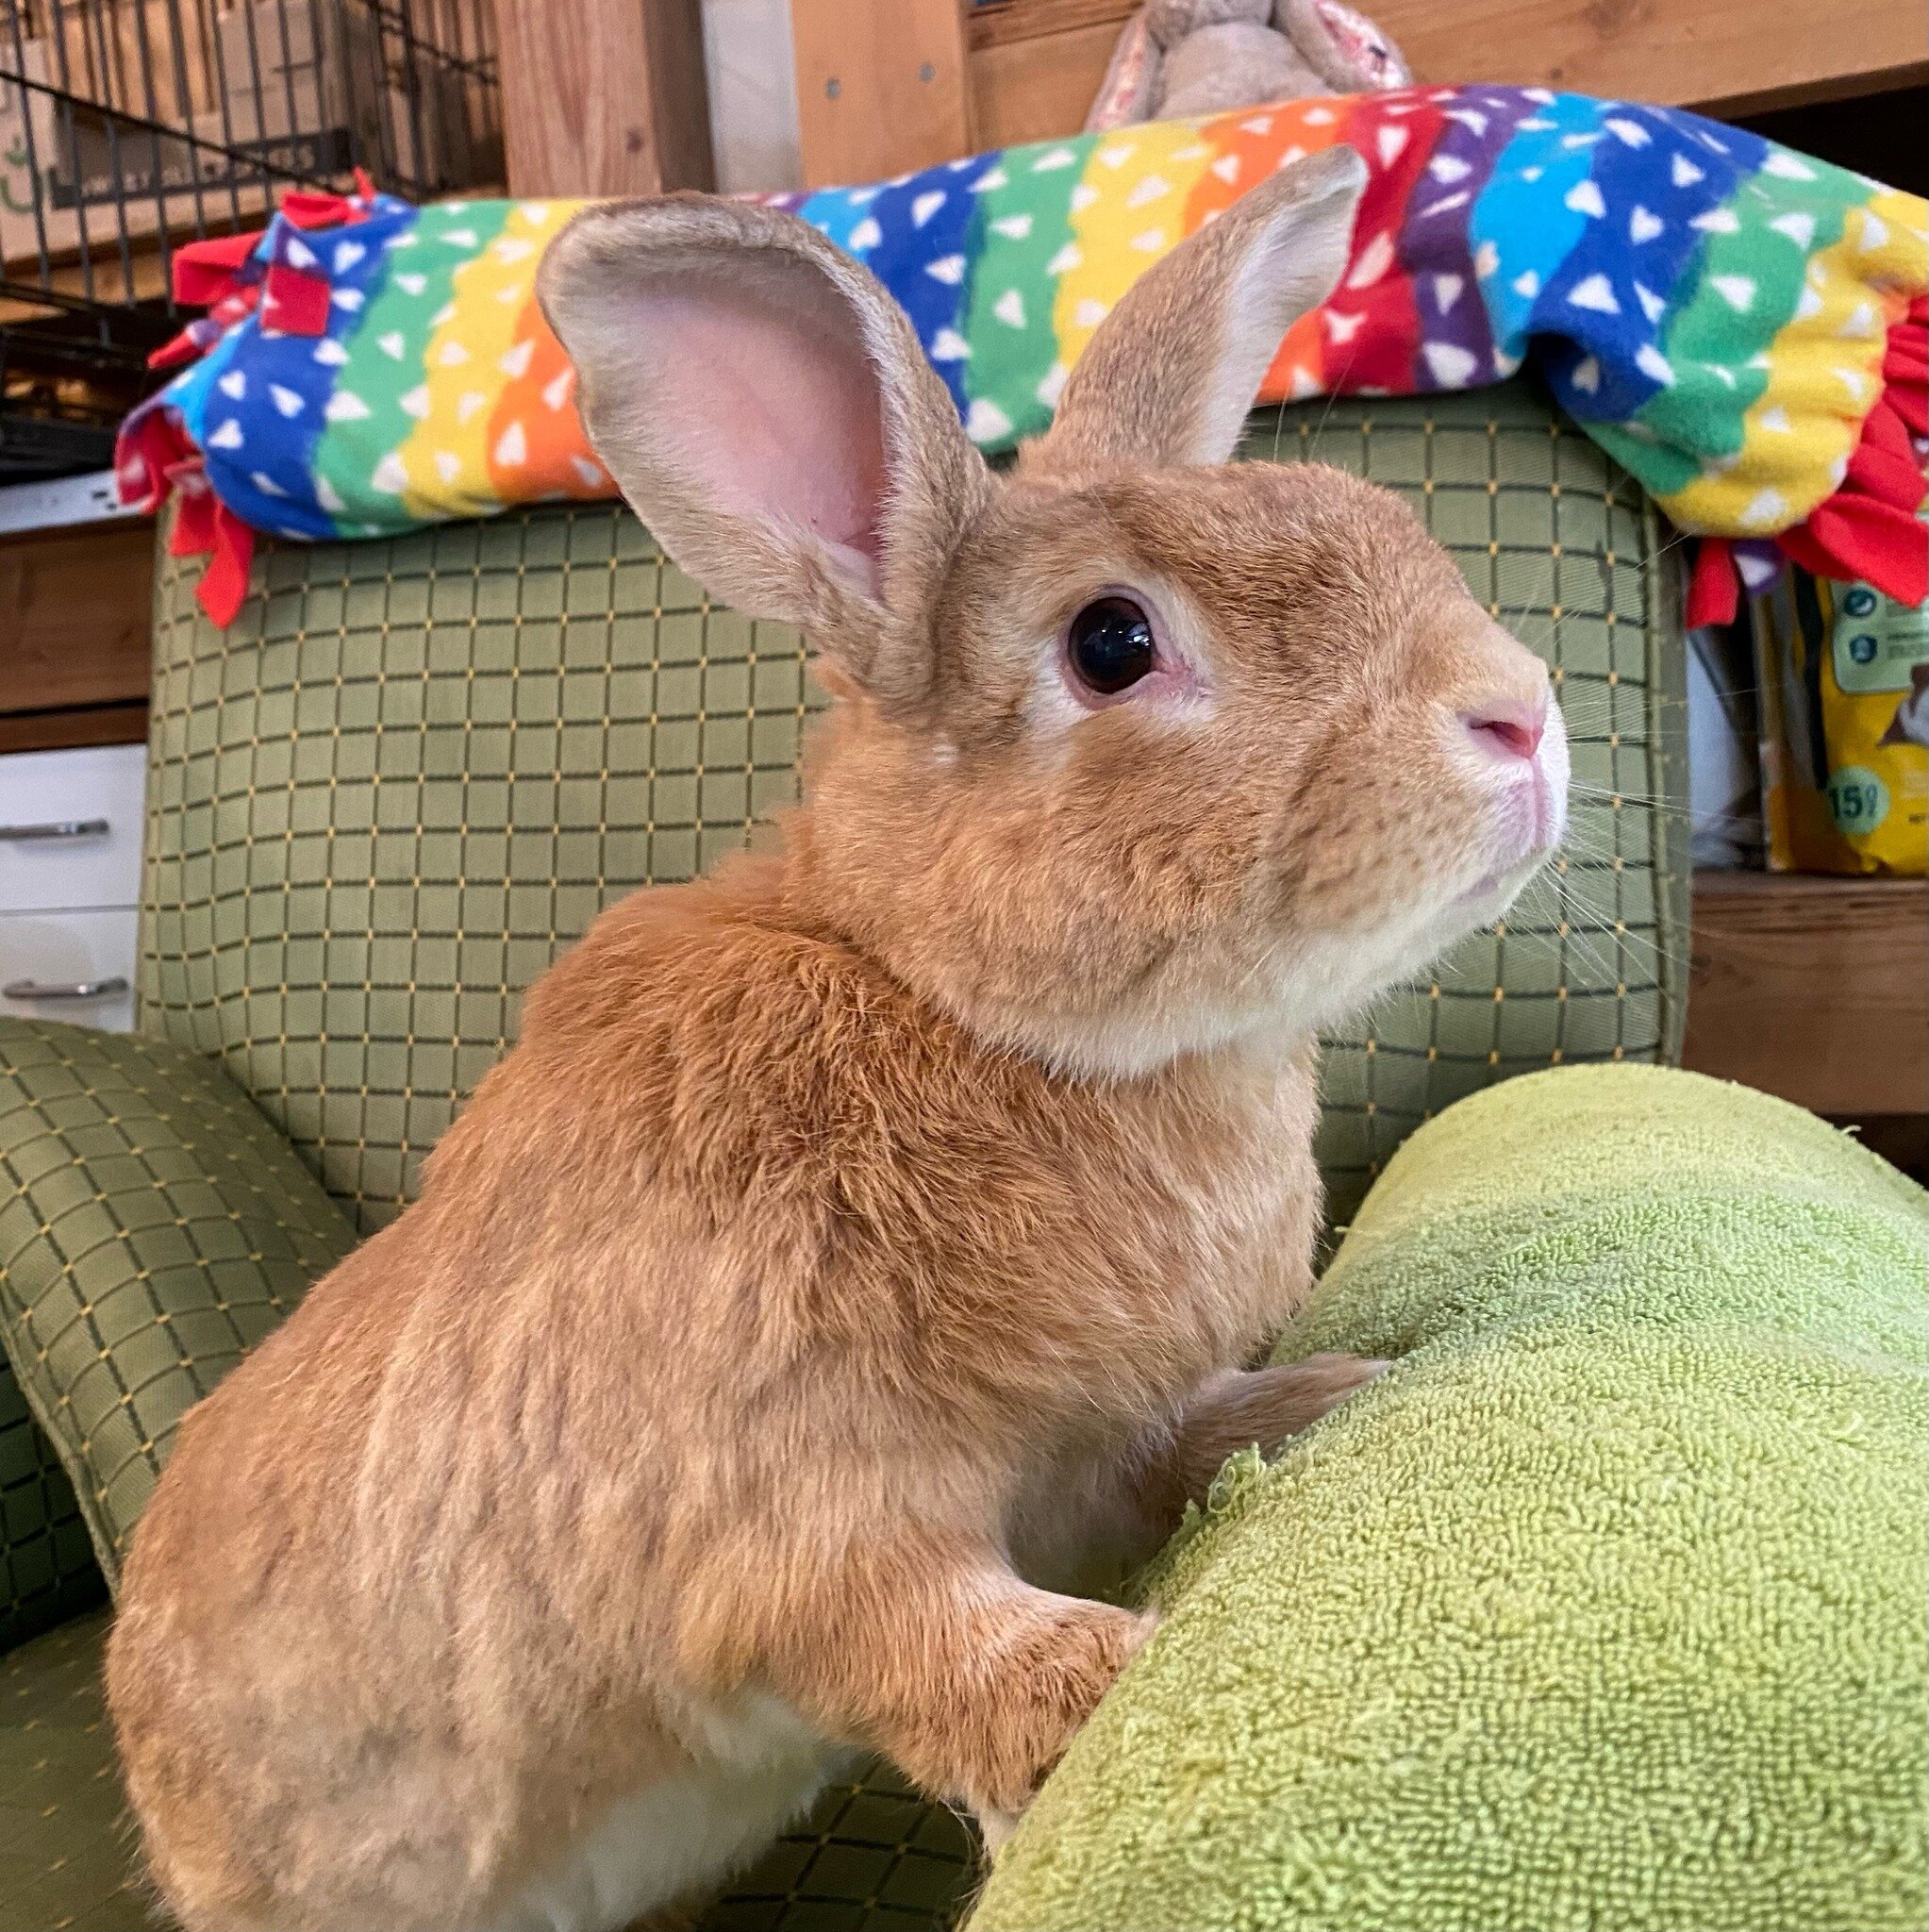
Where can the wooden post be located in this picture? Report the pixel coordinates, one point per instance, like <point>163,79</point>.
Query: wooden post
<point>1037,65</point>
<point>881,87</point>
<point>604,96</point>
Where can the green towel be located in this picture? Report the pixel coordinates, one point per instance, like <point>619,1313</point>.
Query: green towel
<point>1603,1610</point>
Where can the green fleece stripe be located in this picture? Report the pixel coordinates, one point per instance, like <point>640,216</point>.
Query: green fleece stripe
<point>1746,281</point>
<point>1018,227</point>
<point>387,357</point>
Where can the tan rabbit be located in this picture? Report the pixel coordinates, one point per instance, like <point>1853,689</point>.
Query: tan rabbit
<point>860,1247</point>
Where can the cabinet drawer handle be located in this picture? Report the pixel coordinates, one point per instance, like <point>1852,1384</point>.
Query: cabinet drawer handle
<point>57,829</point>
<point>73,990</point>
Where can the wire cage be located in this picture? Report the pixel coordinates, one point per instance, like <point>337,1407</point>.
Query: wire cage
<point>128,127</point>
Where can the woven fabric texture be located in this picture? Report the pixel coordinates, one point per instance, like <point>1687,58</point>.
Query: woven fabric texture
<point>410,772</point>
<point>153,1227</point>
<point>64,1858</point>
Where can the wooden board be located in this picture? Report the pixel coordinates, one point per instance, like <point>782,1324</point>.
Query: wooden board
<point>604,96</point>
<point>65,730</point>
<point>1724,56</point>
<point>1815,988</point>
<point>74,620</point>
<point>881,88</point>
<point>1039,89</point>
<point>888,85</point>
<point>1005,21</point>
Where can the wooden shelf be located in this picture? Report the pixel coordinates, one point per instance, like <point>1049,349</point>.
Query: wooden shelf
<point>75,621</point>
<point>1000,23</point>
<point>1814,988</point>
<point>1721,56</point>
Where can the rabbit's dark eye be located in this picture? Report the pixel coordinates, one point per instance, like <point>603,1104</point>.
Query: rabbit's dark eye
<point>1111,644</point>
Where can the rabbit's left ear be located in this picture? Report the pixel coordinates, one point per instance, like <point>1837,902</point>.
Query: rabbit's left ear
<point>765,406</point>
<point>1171,373</point>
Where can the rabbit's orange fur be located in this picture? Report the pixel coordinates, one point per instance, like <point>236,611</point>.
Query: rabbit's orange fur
<point>860,1244</point>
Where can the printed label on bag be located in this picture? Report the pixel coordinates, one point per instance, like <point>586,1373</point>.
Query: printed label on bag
<point>1858,799</point>
<point>1877,641</point>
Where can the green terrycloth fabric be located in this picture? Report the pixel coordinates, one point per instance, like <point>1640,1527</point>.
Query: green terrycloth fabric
<point>1603,1610</point>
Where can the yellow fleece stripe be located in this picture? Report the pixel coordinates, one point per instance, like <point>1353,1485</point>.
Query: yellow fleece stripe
<point>1126,213</point>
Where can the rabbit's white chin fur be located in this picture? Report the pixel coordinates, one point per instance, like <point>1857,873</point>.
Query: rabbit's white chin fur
<point>1307,985</point>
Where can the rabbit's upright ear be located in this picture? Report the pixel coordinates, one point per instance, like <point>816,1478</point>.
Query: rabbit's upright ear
<point>1171,373</point>
<point>765,406</point>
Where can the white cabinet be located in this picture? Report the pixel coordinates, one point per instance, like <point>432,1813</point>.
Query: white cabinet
<point>76,966</point>
<point>70,882</point>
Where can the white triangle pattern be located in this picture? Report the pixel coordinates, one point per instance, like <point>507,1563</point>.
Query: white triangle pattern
<point>1596,292</point>
<point>985,422</point>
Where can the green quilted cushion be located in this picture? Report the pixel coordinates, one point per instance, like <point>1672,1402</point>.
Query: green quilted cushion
<point>47,1572</point>
<point>153,1226</point>
<point>411,771</point>
<point>1604,1607</point>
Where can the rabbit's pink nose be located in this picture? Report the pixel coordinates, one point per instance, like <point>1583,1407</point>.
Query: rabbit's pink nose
<point>1506,730</point>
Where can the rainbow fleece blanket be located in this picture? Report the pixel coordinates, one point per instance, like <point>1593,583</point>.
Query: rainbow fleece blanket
<point>1741,326</point>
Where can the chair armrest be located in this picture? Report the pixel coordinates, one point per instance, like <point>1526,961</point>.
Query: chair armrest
<point>153,1226</point>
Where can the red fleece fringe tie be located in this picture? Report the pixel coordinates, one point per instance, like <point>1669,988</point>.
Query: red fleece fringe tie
<point>155,458</point>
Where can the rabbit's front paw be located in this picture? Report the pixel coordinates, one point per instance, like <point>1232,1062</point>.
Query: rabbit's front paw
<point>1242,1407</point>
<point>1295,1395</point>
<point>995,1828</point>
<point>1043,1686</point>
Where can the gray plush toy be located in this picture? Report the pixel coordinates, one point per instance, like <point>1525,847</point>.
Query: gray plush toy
<point>1181,58</point>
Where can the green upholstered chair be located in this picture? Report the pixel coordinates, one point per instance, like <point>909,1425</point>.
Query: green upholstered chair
<point>407,775</point>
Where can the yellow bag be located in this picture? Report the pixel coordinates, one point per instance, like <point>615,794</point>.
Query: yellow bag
<point>1844,680</point>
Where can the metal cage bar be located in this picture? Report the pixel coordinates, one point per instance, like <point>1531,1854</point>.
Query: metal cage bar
<point>130,126</point>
